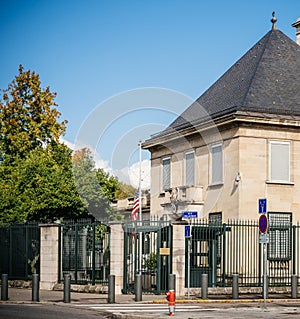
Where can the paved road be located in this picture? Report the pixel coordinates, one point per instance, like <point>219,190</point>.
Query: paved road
<point>86,306</point>
<point>196,311</point>
<point>48,311</point>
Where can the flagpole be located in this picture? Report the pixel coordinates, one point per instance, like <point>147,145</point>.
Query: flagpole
<point>140,182</point>
<point>140,209</point>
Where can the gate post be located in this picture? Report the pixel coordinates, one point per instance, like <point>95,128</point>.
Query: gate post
<point>178,256</point>
<point>117,254</point>
<point>49,256</point>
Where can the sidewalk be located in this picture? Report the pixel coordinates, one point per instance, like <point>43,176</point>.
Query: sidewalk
<point>185,309</point>
<point>24,295</point>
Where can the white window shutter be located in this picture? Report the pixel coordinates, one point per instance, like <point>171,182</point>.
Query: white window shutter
<point>280,161</point>
<point>166,173</point>
<point>190,169</point>
<point>217,164</point>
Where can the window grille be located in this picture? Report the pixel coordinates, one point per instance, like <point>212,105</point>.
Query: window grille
<point>280,226</point>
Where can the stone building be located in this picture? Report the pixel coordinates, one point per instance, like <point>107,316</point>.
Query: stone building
<point>238,142</point>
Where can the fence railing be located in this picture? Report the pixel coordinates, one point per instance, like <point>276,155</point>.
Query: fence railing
<point>84,252</point>
<point>223,249</point>
<point>20,250</point>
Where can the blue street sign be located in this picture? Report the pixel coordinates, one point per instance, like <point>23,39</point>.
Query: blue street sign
<point>189,215</point>
<point>187,231</point>
<point>262,205</point>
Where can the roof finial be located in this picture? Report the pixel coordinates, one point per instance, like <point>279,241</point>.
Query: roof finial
<point>273,20</point>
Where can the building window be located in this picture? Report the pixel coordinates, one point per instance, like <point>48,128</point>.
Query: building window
<point>166,173</point>
<point>216,164</point>
<point>279,161</point>
<point>190,168</point>
<point>215,218</point>
<point>280,235</point>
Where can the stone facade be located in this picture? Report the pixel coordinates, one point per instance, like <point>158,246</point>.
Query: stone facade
<point>49,256</point>
<point>251,112</point>
<point>246,155</point>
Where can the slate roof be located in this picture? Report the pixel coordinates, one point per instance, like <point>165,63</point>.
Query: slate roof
<point>265,80</point>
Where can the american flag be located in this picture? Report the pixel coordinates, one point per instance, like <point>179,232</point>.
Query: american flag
<point>136,207</point>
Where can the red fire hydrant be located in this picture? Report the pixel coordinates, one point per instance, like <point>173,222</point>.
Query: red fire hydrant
<point>171,302</point>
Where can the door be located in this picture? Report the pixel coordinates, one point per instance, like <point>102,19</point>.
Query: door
<point>204,255</point>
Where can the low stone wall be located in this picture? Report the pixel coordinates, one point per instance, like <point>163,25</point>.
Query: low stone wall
<point>242,290</point>
<point>96,289</point>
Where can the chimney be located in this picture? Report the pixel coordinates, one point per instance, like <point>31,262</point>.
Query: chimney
<point>297,26</point>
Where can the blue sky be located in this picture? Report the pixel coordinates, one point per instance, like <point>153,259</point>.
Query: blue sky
<point>89,51</point>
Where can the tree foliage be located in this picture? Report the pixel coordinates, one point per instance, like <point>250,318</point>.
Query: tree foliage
<point>88,186</point>
<point>28,115</point>
<point>39,186</point>
<point>40,179</point>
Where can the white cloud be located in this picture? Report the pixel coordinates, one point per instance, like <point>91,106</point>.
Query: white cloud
<point>128,175</point>
<point>68,143</point>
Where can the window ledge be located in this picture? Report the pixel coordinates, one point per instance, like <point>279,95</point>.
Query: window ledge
<point>216,184</point>
<point>280,183</point>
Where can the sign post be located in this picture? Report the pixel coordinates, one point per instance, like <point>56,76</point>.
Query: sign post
<point>263,239</point>
<point>187,233</point>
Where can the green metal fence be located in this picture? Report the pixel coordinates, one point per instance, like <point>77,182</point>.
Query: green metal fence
<point>20,250</point>
<point>147,251</point>
<point>84,251</point>
<point>223,249</point>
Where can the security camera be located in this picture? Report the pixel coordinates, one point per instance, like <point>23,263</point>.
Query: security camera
<point>238,177</point>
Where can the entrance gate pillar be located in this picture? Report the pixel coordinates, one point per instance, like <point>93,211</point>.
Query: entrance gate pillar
<point>117,254</point>
<point>49,256</point>
<point>178,253</point>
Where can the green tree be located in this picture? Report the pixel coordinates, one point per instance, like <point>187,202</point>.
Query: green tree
<point>28,115</point>
<point>124,191</point>
<point>88,186</point>
<point>39,186</point>
<point>112,187</point>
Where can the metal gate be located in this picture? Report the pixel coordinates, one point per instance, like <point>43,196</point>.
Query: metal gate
<point>205,254</point>
<point>147,251</point>
<point>84,251</point>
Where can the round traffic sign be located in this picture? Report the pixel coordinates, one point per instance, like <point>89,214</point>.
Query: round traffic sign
<point>263,223</point>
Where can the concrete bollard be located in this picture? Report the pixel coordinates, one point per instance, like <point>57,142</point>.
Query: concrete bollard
<point>111,289</point>
<point>4,287</point>
<point>172,282</point>
<point>294,287</point>
<point>138,287</point>
<point>35,292</point>
<point>67,288</point>
<point>204,286</point>
<point>235,286</point>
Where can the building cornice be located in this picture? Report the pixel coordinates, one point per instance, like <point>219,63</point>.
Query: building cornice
<point>233,119</point>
